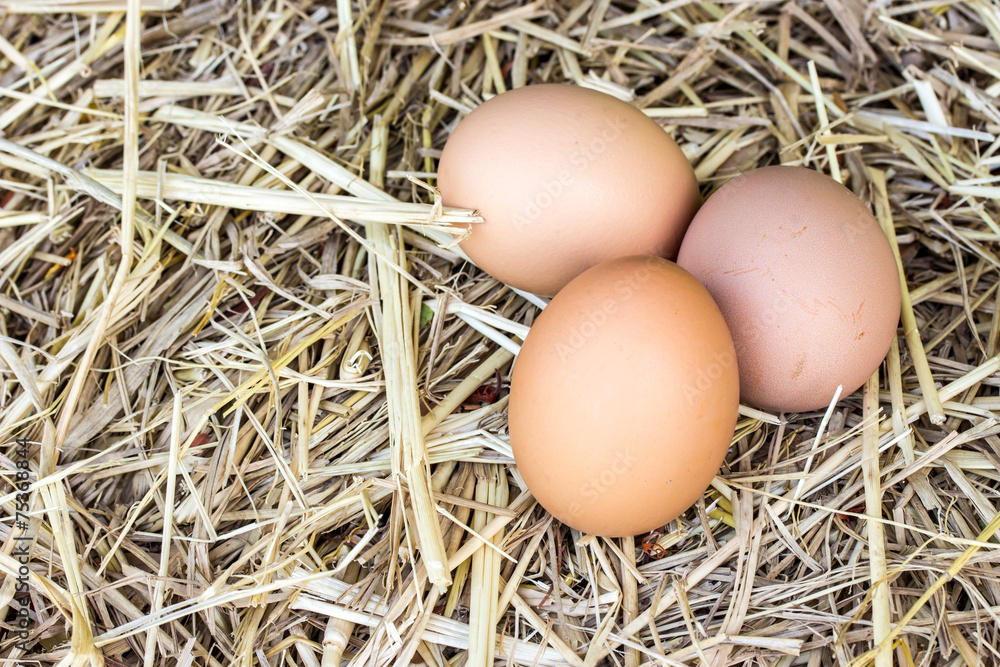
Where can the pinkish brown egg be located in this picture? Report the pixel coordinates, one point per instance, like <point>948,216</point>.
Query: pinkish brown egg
<point>565,178</point>
<point>807,282</point>
<point>624,397</point>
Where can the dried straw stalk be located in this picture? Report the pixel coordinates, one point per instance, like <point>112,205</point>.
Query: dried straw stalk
<point>236,328</point>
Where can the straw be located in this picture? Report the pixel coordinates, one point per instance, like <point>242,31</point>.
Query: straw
<point>265,392</point>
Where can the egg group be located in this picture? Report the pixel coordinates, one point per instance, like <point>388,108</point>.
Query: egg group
<point>625,394</point>
<point>565,177</point>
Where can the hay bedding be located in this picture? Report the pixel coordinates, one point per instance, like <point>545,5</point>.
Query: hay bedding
<point>234,332</point>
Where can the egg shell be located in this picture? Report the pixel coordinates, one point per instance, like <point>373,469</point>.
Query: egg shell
<point>806,280</point>
<point>565,177</point>
<point>624,397</point>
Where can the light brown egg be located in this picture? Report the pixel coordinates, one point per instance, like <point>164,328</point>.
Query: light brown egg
<point>806,280</point>
<point>624,397</point>
<point>565,177</point>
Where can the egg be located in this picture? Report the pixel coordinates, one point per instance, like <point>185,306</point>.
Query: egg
<point>565,177</point>
<point>806,280</point>
<point>624,397</point>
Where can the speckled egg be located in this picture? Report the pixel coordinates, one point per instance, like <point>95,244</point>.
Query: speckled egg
<point>806,280</point>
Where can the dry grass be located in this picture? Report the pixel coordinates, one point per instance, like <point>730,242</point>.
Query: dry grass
<point>239,336</point>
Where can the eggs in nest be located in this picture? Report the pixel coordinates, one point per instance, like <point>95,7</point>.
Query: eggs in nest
<point>626,391</point>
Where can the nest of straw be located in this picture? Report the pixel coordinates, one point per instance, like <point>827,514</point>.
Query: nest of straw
<point>261,398</point>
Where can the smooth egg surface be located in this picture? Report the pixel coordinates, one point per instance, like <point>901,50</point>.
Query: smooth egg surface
<point>806,280</point>
<point>624,397</point>
<point>565,177</point>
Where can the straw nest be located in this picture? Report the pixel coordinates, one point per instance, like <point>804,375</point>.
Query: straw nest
<point>260,387</point>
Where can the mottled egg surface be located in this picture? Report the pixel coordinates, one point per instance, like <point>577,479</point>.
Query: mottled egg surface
<point>806,280</point>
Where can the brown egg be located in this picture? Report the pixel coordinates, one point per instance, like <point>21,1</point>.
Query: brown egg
<point>806,280</point>
<point>565,178</point>
<point>624,397</point>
